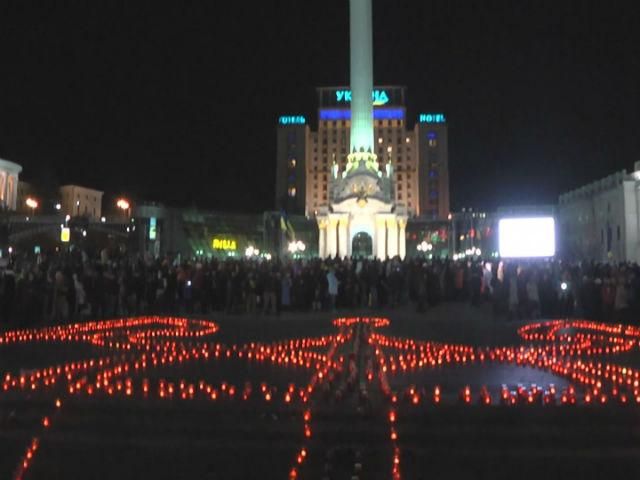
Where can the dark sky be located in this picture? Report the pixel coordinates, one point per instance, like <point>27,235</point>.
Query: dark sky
<point>179,104</point>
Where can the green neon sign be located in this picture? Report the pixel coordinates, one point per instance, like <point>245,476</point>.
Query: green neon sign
<point>379,97</point>
<point>292,120</point>
<point>431,118</point>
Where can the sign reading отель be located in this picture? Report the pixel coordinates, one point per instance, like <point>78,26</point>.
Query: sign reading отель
<point>224,244</point>
<point>292,120</point>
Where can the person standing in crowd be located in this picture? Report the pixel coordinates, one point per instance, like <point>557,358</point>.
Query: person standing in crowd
<point>65,286</point>
<point>533,297</point>
<point>621,302</point>
<point>285,291</point>
<point>332,288</point>
<point>8,293</point>
<point>270,292</point>
<point>60,313</point>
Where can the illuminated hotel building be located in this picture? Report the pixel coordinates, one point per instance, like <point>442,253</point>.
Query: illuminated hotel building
<point>418,153</point>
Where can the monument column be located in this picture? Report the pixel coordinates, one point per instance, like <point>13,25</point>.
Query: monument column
<point>392,229</point>
<point>402,237</point>
<point>342,236</point>
<point>361,64</point>
<point>381,240</point>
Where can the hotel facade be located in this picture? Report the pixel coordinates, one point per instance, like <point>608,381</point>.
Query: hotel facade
<point>417,151</point>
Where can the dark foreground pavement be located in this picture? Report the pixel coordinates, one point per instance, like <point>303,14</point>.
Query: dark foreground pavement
<point>342,431</point>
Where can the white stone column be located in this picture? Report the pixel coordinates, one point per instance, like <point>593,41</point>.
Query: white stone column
<point>342,236</point>
<point>402,237</point>
<point>3,188</point>
<point>392,229</point>
<point>381,241</point>
<point>332,237</point>
<point>14,191</point>
<point>322,238</point>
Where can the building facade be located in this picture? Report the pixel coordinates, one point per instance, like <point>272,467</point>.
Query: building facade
<point>600,221</point>
<point>293,135</point>
<point>81,201</point>
<point>9,173</point>
<point>418,153</point>
<point>432,166</point>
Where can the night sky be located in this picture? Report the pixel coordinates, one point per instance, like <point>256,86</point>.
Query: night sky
<point>179,104</point>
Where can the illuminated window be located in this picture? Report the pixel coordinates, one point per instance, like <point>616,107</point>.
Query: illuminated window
<point>408,140</point>
<point>433,143</point>
<point>379,139</point>
<point>292,191</point>
<point>292,163</point>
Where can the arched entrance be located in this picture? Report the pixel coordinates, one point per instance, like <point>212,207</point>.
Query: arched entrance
<point>362,245</point>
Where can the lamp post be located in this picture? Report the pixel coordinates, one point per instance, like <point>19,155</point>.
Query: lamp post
<point>123,204</point>
<point>297,247</point>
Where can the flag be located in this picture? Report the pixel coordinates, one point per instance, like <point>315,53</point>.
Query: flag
<point>290,229</point>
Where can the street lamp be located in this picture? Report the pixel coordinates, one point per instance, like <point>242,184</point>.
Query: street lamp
<point>123,204</point>
<point>295,247</point>
<point>424,247</point>
<point>32,203</point>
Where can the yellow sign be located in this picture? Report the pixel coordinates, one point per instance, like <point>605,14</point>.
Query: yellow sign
<point>65,234</point>
<point>224,244</point>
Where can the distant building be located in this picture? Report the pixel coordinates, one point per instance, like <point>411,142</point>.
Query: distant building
<point>419,156</point>
<point>81,201</point>
<point>9,173</point>
<point>25,190</point>
<point>291,179</point>
<point>599,221</point>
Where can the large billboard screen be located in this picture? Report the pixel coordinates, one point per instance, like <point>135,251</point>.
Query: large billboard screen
<point>527,237</point>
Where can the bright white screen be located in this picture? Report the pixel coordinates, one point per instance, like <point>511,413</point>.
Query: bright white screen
<point>527,237</point>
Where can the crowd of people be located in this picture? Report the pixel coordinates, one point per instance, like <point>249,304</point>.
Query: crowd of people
<point>73,286</point>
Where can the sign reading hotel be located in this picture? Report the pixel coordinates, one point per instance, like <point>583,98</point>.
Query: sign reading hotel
<point>432,118</point>
<point>223,244</point>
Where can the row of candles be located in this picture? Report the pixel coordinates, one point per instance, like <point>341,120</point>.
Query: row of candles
<point>91,331</point>
<point>114,335</point>
<point>324,373</point>
<point>150,336</point>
